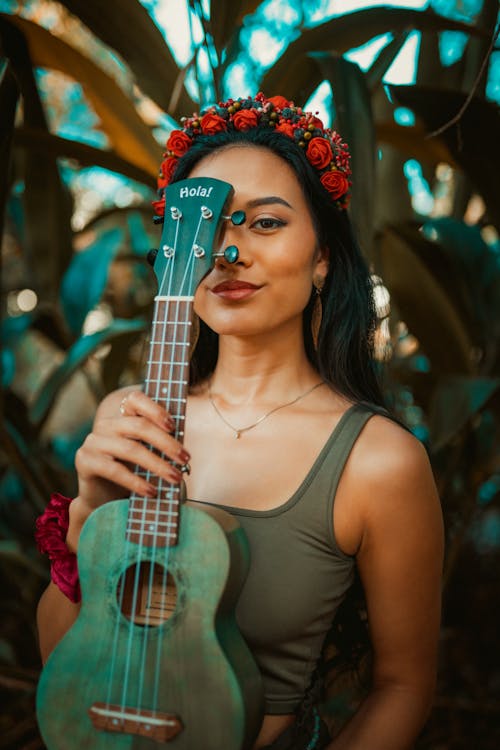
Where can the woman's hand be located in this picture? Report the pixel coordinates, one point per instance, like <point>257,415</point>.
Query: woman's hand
<point>126,423</point>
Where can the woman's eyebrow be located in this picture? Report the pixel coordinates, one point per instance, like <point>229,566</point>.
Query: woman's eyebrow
<point>267,200</point>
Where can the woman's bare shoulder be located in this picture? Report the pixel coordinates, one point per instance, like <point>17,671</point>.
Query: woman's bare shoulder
<point>386,446</point>
<point>387,482</point>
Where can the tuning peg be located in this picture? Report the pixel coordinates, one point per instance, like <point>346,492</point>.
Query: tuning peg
<point>230,254</point>
<point>237,218</point>
<point>151,256</point>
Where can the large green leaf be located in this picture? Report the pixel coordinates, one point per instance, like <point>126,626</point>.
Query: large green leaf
<point>473,142</point>
<point>47,203</point>
<point>479,267</point>
<point>346,32</point>
<point>455,401</point>
<point>81,350</point>
<point>354,120</point>
<point>225,17</point>
<point>85,155</point>
<point>384,59</point>
<point>425,305</point>
<point>448,271</point>
<point>129,135</point>
<point>126,26</point>
<point>86,277</point>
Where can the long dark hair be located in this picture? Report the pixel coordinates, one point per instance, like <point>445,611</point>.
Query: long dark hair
<point>344,357</point>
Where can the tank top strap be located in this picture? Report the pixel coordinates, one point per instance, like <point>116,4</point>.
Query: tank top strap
<point>349,428</point>
<point>338,450</point>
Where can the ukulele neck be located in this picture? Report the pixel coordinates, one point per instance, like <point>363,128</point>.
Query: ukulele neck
<point>155,522</point>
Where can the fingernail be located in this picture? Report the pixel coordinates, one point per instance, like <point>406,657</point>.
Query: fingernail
<point>184,456</point>
<point>169,423</point>
<point>176,475</point>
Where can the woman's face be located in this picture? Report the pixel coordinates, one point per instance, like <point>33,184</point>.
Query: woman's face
<point>270,284</point>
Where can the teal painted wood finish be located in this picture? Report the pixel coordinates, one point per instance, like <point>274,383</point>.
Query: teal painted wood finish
<point>208,676</point>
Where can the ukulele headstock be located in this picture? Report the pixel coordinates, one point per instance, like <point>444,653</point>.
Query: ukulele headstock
<point>194,212</point>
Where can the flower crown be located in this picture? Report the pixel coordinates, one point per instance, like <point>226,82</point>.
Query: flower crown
<point>323,147</point>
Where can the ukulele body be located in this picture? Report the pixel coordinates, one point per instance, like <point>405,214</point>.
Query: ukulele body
<point>208,691</point>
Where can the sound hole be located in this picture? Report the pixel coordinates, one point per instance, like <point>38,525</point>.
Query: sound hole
<point>149,596</point>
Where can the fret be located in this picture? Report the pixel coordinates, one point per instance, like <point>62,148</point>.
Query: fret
<point>167,513</point>
<point>171,382</point>
<point>175,322</point>
<point>144,473</point>
<point>165,298</point>
<point>156,381</point>
<point>178,364</point>
<point>161,534</point>
<point>148,504</point>
<point>148,507</point>
<point>171,343</point>
<point>169,362</point>
<point>181,400</point>
<point>155,511</point>
<point>149,527</point>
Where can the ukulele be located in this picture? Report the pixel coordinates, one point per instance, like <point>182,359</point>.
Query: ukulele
<point>155,655</point>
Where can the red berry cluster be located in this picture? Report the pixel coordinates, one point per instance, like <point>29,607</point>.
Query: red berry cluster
<point>323,147</point>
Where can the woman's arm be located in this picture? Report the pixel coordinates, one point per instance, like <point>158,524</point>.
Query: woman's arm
<point>396,518</point>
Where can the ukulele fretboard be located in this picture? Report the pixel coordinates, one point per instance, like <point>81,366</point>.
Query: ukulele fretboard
<point>155,522</point>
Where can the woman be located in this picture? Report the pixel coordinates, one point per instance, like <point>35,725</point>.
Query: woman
<point>321,478</point>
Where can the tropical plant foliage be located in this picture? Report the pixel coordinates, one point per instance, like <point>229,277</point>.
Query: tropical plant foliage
<point>438,339</point>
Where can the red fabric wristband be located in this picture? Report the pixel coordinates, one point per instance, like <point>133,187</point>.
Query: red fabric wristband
<point>51,529</point>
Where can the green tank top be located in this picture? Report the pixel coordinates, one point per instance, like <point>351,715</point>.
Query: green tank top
<point>298,575</point>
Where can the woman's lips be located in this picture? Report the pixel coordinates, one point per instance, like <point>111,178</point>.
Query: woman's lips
<point>234,290</point>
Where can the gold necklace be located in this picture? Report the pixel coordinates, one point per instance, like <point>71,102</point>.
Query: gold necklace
<point>238,431</point>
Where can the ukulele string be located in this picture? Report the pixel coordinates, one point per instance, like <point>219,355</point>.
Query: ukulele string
<point>146,630</point>
<point>186,286</point>
<point>169,491</point>
<point>157,396</point>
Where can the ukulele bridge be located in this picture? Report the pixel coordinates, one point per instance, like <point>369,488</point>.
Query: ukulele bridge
<point>156,725</point>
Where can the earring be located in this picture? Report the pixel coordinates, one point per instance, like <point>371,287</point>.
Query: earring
<point>317,313</point>
<point>195,333</point>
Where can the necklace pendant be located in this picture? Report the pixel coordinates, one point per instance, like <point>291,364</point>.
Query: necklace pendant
<point>237,435</point>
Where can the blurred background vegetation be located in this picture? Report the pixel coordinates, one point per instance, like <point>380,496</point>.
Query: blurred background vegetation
<point>88,94</point>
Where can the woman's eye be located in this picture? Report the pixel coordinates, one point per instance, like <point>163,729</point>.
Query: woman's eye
<point>268,223</point>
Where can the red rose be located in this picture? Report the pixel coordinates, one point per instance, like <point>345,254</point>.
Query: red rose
<point>319,152</point>
<point>336,183</point>
<point>167,169</point>
<point>286,128</point>
<point>211,124</point>
<point>159,207</point>
<point>280,102</point>
<point>244,119</point>
<point>179,142</point>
